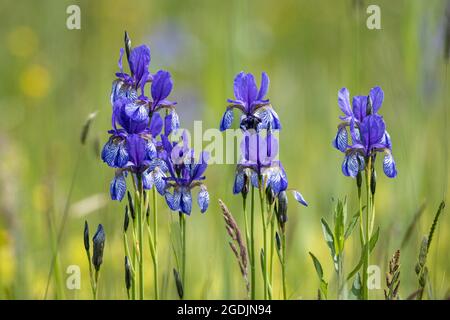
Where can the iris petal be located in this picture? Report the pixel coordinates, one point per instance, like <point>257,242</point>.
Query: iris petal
<point>389,166</point>
<point>376,96</point>
<point>340,142</point>
<point>227,120</point>
<point>299,197</point>
<point>118,187</point>
<point>344,101</point>
<point>238,182</point>
<point>186,201</point>
<point>203,199</point>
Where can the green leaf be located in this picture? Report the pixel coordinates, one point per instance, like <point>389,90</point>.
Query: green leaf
<point>340,213</point>
<point>328,235</point>
<point>433,226</point>
<point>317,266</point>
<point>324,288</point>
<point>356,291</point>
<point>351,225</point>
<point>374,239</point>
<point>372,243</point>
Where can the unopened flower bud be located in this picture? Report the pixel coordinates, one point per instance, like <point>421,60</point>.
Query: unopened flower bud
<point>98,244</point>
<point>86,235</point>
<point>131,205</point>
<point>127,273</point>
<point>373,182</point>
<point>126,220</point>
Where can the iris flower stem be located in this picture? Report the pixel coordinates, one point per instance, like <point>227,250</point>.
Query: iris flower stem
<point>283,263</point>
<point>247,239</point>
<point>97,274</point>
<point>367,232</point>
<point>140,214</point>
<point>155,241</point>
<point>263,219</point>
<point>252,245</point>
<point>127,253</point>
<point>272,244</point>
<point>91,275</point>
<point>183,250</point>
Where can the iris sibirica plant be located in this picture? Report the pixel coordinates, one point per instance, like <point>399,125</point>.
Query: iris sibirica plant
<point>260,169</point>
<point>361,136</point>
<point>139,147</point>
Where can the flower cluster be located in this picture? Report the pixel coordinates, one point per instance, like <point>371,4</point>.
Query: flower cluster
<point>139,139</point>
<point>259,147</point>
<point>367,132</point>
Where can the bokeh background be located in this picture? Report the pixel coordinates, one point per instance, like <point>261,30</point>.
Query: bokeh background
<point>51,78</point>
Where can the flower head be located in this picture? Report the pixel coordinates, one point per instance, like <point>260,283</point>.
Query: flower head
<point>367,131</point>
<point>257,113</point>
<point>183,174</point>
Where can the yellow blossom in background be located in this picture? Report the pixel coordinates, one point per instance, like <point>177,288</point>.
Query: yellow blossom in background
<point>22,42</point>
<point>35,81</point>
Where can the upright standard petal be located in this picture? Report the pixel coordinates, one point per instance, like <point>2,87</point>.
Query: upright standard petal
<point>360,107</point>
<point>118,187</point>
<point>227,120</point>
<point>376,96</point>
<point>139,61</point>
<point>161,86</point>
<point>156,125</point>
<point>203,199</point>
<point>344,101</point>
<point>264,86</point>
<point>372,130</point>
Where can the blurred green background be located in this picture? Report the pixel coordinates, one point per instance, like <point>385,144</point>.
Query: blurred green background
<point>51,78</point>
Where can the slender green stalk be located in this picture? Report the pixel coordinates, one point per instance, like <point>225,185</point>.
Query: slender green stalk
<point>249,249</point>
<point>367,231</point>
<point>283,265</point>
<point>252,244</point>
<point>264,228</point>
<point>97,274</point>
<point>140,221</point>
<point>183,250</point>
<point>91,275</point>
<point>127,253</point>
<point>155,242</point>
<point>272,244</point>
<point>134,259</point>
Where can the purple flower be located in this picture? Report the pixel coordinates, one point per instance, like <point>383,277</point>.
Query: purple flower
<point>183,174</point>
<point>367,131</point>
<point>257,111</point>
<point>259,162</point>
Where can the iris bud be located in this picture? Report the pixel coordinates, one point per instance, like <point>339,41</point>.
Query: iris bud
<point>282,208</point>
<point>373,182</point>
<point>126,220</point>
<point>86,235</point>
<point>246,187</point>
<point>98,244</point>
<point>131,205</point>
<point>270,196</point>
<point>127,273</point>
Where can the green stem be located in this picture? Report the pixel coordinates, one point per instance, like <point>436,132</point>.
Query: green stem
<point>264,227</point>
<point>91,275</point>
<point>247,239</point>
<point>155,242</point>
<point>140,221</point>
<point>272,245</point>
<point>183,251</point>
<point>252,244</point>
<point>97,273</point>
<point>283,263</point>
<point>367,232</point>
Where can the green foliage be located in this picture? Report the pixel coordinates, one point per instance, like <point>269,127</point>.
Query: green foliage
<point>323,288</point>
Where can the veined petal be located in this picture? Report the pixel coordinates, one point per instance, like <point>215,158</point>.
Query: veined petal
<point>376,96</point>
<point>147,180</point>
<point>115,153</point>
<point>175,121</point>
<point>299,197</point>
<point>350,165</point>
<point>340,142</point>
<point>186,201</point>
<point>344,101</point>
<point>150,150</point>
<point>203,199</point>
<point>389,166</point>
<point>238,182</point>
<point>173,199</point>
<point>158,180</point>
<point>136,111</point>
<point>227,120</point>
<point>118,187</point>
